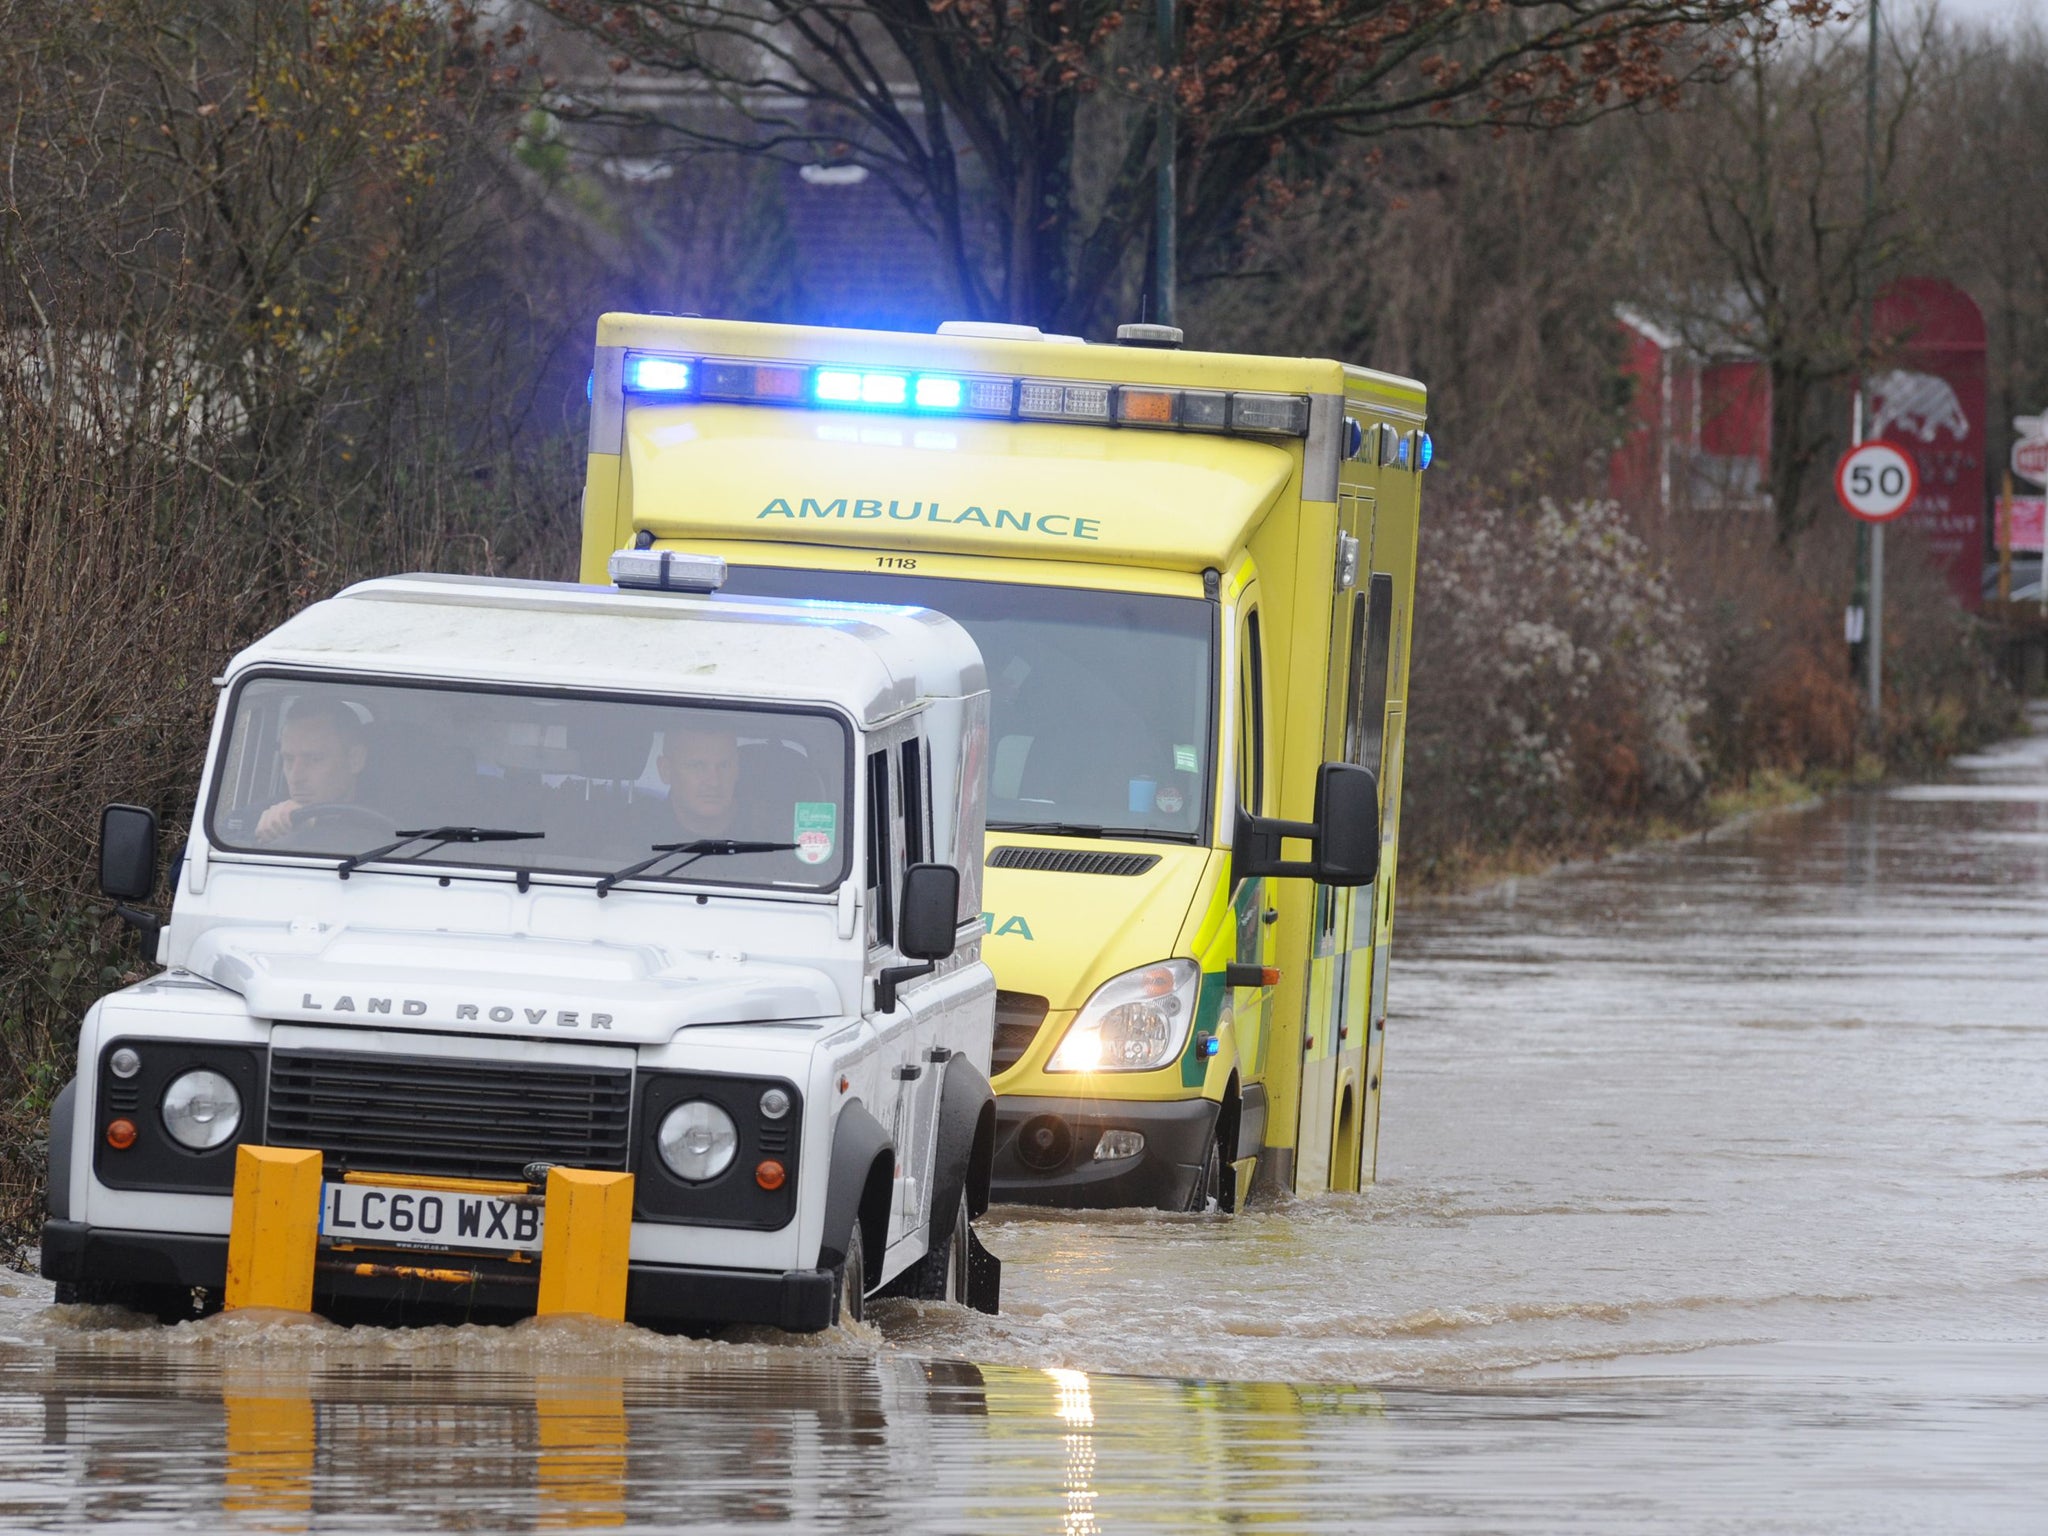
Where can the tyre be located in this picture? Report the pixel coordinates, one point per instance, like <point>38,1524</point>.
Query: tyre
<point>165,1303</point>
<point>1208,1185</point>
<point>853,1279</point>
<point>941,1275</point>
<point>952,1284</point>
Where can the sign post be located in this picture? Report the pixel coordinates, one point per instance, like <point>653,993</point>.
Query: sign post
<point>2029,462</point>
<point>1875,483</point>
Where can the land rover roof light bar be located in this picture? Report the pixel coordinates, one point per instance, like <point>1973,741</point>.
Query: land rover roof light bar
<point>666,570</point>
<point>652,377</point>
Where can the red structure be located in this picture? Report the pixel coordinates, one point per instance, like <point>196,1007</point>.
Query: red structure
<point>1702,434</point>
<point>1930,401</point>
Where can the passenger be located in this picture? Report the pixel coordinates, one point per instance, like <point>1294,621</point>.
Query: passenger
<point>323,753</point>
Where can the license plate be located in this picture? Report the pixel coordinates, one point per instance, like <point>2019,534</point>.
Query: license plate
<point>431,1219</point>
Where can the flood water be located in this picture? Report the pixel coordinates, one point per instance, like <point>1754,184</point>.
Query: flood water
<point>1714,1198</point>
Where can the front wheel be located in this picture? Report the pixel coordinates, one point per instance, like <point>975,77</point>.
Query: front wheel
<point>165,1303</point>
<point>1206,1192</point>
<point>853,1279</point>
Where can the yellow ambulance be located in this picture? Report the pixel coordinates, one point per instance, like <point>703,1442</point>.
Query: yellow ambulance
<point>1191,576</point>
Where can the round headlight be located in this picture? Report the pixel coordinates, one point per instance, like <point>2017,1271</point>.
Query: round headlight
<point>697,1140</point>
<point>202,1110</point>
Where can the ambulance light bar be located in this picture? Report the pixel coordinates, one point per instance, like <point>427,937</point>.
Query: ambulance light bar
<point>942,394</point>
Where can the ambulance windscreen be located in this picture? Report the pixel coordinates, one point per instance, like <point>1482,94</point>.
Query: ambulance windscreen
<point>1099,702</point>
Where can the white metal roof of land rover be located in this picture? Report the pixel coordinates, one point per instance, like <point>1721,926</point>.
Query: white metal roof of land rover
<point>870,660</point>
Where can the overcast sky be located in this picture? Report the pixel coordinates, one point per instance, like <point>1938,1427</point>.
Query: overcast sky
<point>1999,13</point>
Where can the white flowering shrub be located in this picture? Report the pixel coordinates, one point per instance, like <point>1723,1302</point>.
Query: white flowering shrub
<point>1556,681</point>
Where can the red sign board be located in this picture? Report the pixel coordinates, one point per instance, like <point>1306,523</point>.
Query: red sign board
<point>2027,520</point>
<point>1929,401</point>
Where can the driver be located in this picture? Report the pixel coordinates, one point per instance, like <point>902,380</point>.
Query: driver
<point>323,752</point>
<point>701,767</point>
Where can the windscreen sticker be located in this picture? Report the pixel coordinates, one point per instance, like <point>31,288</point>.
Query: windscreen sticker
<point>1169,800</point>
<point>817,828</point>
<point>1184,759</point>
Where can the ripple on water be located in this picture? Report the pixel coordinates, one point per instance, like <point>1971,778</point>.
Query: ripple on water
<point>1780,1087</point>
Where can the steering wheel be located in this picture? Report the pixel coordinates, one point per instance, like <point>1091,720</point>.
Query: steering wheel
<point>340,816</point>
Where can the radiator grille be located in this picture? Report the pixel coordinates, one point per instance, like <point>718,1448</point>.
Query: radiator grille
<point>440,1115</point>
<point>1071,861</point>
<point>1018,1017</point>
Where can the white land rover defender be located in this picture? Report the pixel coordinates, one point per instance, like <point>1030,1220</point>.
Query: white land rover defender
<point>489,877</point>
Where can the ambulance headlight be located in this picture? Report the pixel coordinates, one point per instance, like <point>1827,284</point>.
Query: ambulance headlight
<point>202,1110</point>
<point>697,1140</point>
<point>1133,1022</point>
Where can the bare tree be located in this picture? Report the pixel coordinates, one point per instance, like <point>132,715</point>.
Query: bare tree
<point>1024,132</point>
<point>1776,250</point>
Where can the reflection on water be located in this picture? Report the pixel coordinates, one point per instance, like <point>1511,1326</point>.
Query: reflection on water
<point>1717,1182</point>
<point>708,1437</point>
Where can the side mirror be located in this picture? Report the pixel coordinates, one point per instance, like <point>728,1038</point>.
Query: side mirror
<point>931,911</point>
<point>1344,838</point>
<point>127,853</point>
<point>1347,825</point>
<point>925,928</point>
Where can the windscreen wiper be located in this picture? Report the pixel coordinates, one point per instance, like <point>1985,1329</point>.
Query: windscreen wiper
<point>1084,829</point>
<point>703,847</point>
<point>433,837</point>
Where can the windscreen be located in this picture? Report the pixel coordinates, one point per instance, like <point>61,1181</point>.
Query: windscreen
<point>1099,702</point>
<point>564,784</point>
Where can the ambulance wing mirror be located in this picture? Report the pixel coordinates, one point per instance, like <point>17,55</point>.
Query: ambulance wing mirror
<point>1347,825</point>
<point>1344,838</point>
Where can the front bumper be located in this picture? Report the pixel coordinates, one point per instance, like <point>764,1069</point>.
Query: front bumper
<point>1045,1151</point>
<point>657,1295</point>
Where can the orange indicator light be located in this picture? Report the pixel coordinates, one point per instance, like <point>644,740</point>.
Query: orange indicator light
<point>1153,405</point>
<point>770,1174</point>
<point>120,1134</point>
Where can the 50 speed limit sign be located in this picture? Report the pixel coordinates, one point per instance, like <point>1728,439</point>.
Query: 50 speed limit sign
<point>1876,482</point>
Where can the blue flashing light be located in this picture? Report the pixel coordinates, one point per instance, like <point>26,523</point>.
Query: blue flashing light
<point>849,386</point>
<point>836,386</point>
<point>883,389</point>
<point>590,386</point>
<point>1425,451</point>
<point>657,376</point>
<point>935,392</point>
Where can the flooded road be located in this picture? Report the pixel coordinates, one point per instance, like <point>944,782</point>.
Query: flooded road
<point>1714,1197</point>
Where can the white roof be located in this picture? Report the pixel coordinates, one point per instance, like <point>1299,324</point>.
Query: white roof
<point>872,661</point>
